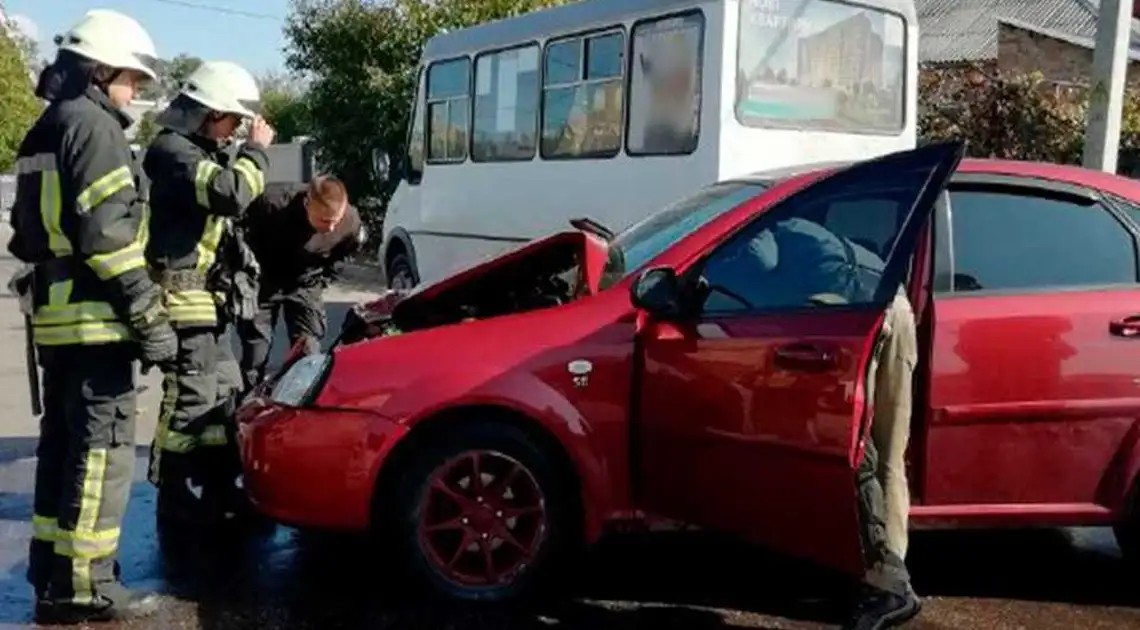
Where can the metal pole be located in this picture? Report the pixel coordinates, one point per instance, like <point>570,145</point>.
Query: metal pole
<point>1110,69</point>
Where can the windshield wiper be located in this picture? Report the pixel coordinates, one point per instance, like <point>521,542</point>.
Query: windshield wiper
<point>587,224</point>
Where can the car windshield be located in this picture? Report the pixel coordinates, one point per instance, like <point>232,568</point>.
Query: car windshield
<point>644,240</point>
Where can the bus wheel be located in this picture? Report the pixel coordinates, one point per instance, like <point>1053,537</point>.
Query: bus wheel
<point>400,273</point>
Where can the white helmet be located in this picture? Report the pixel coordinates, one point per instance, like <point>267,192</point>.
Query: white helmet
<point>225,87</point>
<point>112,39</point>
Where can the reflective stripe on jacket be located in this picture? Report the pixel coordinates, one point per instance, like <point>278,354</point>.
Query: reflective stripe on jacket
<point>195,191</point>
<point>79,219</point>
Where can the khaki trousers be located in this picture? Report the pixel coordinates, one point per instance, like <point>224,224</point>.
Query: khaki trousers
<point>890,387</point>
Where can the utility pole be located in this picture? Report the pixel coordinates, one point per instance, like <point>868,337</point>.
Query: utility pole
<point>1110,69</point>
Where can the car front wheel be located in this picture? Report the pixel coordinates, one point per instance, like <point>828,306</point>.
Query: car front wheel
<point>482,513</point>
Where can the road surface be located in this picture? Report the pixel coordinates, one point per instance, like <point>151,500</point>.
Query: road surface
<point>285,579</point>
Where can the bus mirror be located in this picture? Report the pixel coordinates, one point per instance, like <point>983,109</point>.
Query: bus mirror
<point>380,165</point>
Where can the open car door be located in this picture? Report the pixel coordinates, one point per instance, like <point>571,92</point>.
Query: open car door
<point>751,408</point>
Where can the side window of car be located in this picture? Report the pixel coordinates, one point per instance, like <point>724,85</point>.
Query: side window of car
<point>1010,241</point>
<point>825,249</point>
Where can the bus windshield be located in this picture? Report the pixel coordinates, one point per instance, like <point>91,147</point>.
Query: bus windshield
<point>645,240</point>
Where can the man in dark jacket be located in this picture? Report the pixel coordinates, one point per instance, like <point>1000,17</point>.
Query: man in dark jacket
<point>80,223</point>
<point>797,263</point>
<point>301,236</point>
<point>197,190</point>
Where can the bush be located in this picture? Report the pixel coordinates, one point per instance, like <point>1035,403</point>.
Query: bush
<point>1020,117</point>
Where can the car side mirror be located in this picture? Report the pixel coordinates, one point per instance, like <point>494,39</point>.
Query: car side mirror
<point>658,292</point>
<point>381,165</point>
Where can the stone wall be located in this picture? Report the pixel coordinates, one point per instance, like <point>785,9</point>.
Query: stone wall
<point>1023,51</point>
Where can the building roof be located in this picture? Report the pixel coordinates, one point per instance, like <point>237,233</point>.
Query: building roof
<point>967,30</point>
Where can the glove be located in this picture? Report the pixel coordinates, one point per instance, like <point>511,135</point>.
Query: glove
<point>244,296</point>
<point>158,344</point>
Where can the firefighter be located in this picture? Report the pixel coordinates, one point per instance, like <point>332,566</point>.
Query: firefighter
<point>80,223</point>
<point>197,190</point>
<point>301,235</point>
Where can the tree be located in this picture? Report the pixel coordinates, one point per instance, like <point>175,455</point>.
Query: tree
<point>287,112</point>
<point>17,101</point>
<point>362,60</point>
<point>283,102</point>
<point>147,128</point>
<point>171,74</point>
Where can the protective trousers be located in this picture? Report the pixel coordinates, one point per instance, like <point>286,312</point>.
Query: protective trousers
<point>305,318</point>
<point>194,443</point>
<point>884,490</point>
<point>84,471</point>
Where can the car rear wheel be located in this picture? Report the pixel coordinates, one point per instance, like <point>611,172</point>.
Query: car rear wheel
<point>401,276</point>
<point>482,513</point>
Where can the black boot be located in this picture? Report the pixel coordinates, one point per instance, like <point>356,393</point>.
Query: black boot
<point>878,609</point>
<point>113,602</point>
<point>180,501</point>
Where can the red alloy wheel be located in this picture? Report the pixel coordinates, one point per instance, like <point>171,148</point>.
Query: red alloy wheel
<point>482,519</point>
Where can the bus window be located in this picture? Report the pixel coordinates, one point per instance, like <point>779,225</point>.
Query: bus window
<point>448,92</point>
<point>582,96</point>
<point>821,64</point>
<point>506,105</point>
<point>665,85</point>
<point>415,163</point>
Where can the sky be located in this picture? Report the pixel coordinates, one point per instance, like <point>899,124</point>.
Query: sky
<point>247,32</point>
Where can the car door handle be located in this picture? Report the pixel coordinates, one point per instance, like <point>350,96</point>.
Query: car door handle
<point>1126,326</point>
<point>805,356</point>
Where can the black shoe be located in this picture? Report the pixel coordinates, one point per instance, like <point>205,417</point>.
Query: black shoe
<point>113,602</point>
<point>878,610</point>
<point>43,603</point>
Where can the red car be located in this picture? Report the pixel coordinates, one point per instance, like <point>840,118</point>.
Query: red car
<point>583,379</point>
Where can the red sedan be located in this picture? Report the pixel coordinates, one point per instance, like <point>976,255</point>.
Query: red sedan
<point>504,416</point>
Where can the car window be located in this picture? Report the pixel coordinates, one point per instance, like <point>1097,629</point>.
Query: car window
<point>825,248</point>
<point>646,239</point>
<point>1007,242</point>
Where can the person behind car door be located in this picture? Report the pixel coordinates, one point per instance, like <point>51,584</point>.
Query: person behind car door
<point>301,236</point>
<point>888,599</point>
<point>196,192</point>
<point>798,262</point>
<point>79,220</point>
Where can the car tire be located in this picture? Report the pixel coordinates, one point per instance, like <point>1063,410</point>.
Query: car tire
<point>451,536</point>
<point>400,274</point>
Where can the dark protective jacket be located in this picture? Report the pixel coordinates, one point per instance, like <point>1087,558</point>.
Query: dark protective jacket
<point>792,262</point>
<point>196,190</point>
<point>78,217</point>
<point>292,255</point>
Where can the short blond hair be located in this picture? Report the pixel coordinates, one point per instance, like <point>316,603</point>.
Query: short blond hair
<point>328,190</point>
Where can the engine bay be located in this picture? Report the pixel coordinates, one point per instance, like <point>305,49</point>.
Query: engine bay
<point>529,279</point>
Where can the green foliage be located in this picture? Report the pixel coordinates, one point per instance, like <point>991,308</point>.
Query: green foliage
<point>284,105</point>
<point>17,101</point>
<point>147,129</point>
<point>362,57</point>
<point>171,73</point>
<point>1021,117</point>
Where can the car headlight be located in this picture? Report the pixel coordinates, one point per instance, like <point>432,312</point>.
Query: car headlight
<point>299,383</point>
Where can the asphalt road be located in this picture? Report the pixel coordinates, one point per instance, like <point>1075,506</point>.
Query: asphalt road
<point>286,579</point>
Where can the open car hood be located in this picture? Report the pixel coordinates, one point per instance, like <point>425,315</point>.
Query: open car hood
<point>545,272</point>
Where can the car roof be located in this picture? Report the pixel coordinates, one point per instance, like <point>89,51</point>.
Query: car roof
<point>1077,175</point>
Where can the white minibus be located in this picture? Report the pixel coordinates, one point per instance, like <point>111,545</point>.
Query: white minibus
<point>612,109</point>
